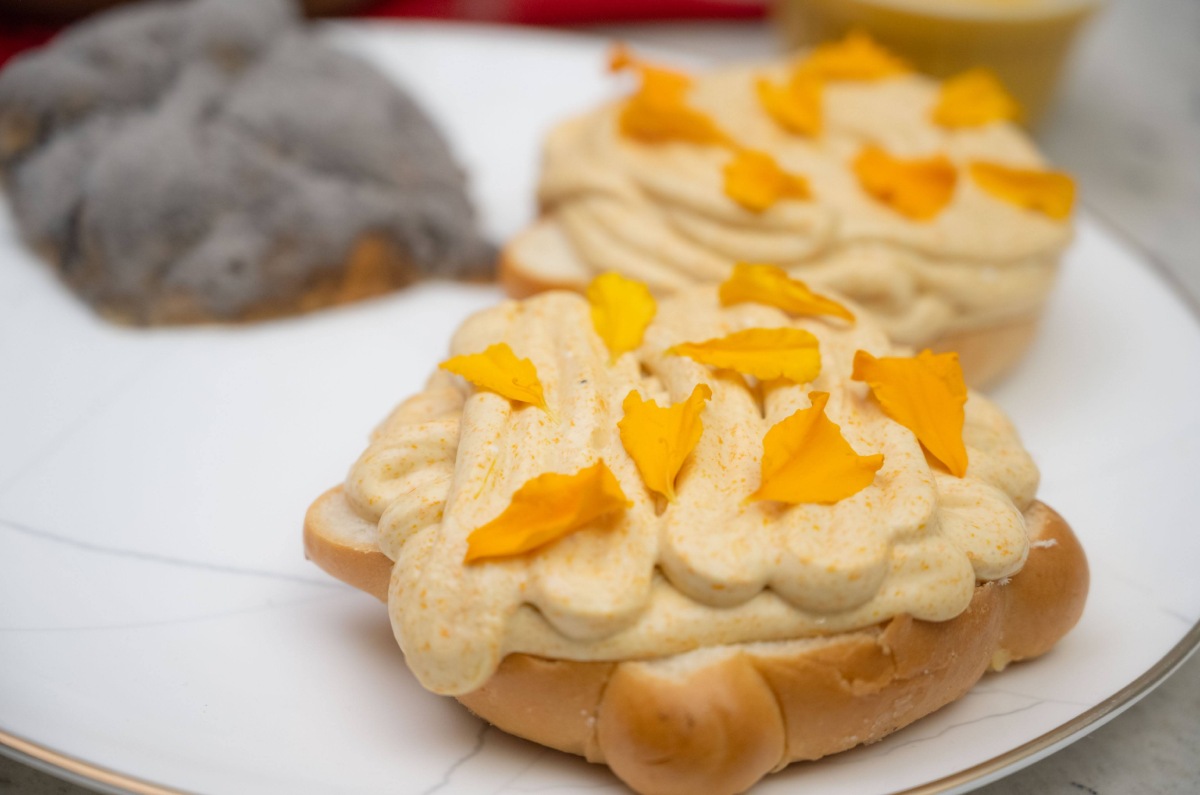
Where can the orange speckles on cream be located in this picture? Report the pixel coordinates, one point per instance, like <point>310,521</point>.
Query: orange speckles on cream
<point>659,577</point>
<point>659,111</point>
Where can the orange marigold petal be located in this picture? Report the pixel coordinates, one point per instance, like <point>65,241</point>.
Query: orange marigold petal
<point>765,353</point>
<point>974,98</point>
<point>659,440</point>
<point>499,370</point>
<point>806,459</point>
<point>924,393</point>
<point>656,119</point>
<point>547,508</point>
<point>797,106</point>
<point>855,57</point>
<point>655,77</point>
<point>917,188</point>
<point>755,181</point>
<point>1051,193</point>
<point>621,310</point>
<point>771,285</point>
<point>620,57</point>
<point>658,111</point>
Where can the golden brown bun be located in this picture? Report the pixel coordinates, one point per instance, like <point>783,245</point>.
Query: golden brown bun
<point>373,267</point>
<point>536,260</point>
<point>520,282</point>
<point>343,544</point>
<point>717,720</point>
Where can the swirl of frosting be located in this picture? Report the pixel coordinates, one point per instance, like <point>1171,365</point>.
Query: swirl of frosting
<point>657,212</point>
<point>709,568</point>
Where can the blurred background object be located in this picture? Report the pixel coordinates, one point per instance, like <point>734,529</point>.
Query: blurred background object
<point>1025,42</point>
<point>31,23</point>
<point>531,12</point>
<point>66,10</point>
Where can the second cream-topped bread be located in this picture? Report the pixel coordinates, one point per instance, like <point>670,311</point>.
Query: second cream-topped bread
<point>922,201</point>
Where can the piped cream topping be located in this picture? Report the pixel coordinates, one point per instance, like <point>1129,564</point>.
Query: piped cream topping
<point>662,578</point>
<point>658,212</point>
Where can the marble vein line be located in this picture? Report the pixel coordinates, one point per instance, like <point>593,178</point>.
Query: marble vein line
<point>150,557</point>
<point>906,741</point>
<point>168,622</point>
<point>476,749</point>
<point>98,404</point>
<point>1149,592</point>
<point>987,690</point>
<point>507,785</point>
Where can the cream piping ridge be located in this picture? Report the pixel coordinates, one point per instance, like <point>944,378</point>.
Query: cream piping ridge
<point>708,569</point>
<point>658,213</point>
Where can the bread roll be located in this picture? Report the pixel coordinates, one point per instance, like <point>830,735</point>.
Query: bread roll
<point>725,717</point>
<point>696,633</point>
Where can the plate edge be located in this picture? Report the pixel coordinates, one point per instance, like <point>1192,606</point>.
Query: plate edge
<point>76,770</point>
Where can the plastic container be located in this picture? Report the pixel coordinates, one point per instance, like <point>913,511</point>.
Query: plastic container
<point>1025,42</point>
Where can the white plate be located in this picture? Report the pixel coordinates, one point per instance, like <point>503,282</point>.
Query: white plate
<point>161,631</point>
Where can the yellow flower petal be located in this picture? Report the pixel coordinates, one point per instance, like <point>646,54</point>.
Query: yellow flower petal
<point>924,393</point>
<point>547,508</point>
<point>796,107</point>
<point>660,439</point>
<point>663,79</point>
<point>765,353</point>
<point>806,459</point>
<point>620,57</point>
<point>771,285</point>
<point>974,98</point>
<point>755,181</point>
<point>656,116</point>
<point>658,111</point>
<point>621,310</point>
<point>1049,192</point>
<point>499,370</point>
<point>917,188</point>
<point>856,57</point>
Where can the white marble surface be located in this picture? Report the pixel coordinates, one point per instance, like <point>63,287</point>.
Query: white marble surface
<point>1128,125</point>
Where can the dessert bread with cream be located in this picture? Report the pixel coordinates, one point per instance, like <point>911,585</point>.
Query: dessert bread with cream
<point>214,160</point>
<point>699,538</point>
<point>921,200</point>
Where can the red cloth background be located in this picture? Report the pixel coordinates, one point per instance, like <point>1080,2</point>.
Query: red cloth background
<point>16,36</point>
<point>568,12</point>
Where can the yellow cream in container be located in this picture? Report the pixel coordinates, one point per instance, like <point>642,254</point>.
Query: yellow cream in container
<point>1023,41</point>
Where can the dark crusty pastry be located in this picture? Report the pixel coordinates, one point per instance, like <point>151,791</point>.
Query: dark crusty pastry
<point>183,161</point>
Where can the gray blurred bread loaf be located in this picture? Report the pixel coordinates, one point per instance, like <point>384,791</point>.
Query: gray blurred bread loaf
<point>183,161</point>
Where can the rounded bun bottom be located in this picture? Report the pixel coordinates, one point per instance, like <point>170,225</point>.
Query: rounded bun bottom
<point>718,719</point>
